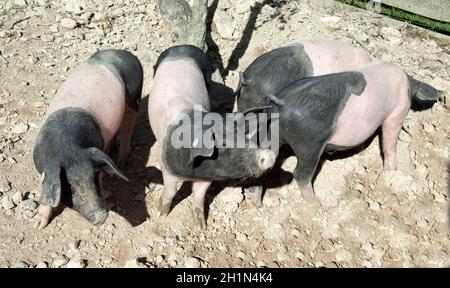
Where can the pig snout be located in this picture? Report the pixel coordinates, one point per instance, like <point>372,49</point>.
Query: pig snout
<point>265,159</point>
<point>90,205</point>
<point>95,214</point>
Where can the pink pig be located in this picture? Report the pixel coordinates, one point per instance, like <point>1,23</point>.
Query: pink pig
<point>100,97</point>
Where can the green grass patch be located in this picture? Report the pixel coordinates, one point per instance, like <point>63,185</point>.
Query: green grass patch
<point>403,15</point>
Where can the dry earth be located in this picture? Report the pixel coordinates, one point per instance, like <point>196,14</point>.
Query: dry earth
<point>363,217</point>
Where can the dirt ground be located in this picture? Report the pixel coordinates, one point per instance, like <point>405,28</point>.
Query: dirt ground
<point>362,218</point>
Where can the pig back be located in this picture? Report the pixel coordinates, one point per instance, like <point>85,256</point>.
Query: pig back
<point>331,56</point>
<point>178,85</point>
<point>97,90</point>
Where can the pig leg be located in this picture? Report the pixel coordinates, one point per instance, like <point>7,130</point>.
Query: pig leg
<point>254,194</point>
<point>199,189</point>
<point>308,156</point>
<point>390,131</point>
<point>43,216</point>
<point>126,131</point>
<point>170,189</point>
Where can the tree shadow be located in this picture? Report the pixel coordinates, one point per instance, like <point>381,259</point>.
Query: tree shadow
<point>213,50</point>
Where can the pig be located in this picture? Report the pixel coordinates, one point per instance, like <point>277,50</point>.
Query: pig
<point>339,111</point>
<point>276,69</point>
<point>99,98</point>
<point>180,89</point>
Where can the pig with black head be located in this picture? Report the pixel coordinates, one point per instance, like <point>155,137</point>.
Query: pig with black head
<point>179,93</point>
<point>99,98</point>
<point>340,111</point>
<point>276,69</point>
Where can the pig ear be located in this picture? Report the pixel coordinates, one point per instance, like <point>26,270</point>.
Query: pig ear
<point>203,148</point>
<point>51,185</point>
<point>99,158</point>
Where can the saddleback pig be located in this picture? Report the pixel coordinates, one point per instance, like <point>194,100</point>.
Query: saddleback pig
<point>339,111</point>
<point>99,98</point>
<point>180,90</point>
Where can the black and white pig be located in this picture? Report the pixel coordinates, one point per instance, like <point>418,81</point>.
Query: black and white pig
<point>339,111</point>
<point>98,98</point>
<point>183,74</point>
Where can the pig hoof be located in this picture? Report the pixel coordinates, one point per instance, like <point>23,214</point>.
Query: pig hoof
<point>41,221</point>
<point>255,199</point>
<point>390,167</point>
<point>42,217</point>
<point>307,193</point>
<point>163,209</point>
<point>199,218</point>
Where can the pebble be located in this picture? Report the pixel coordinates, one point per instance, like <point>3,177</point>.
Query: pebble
<point>390,32</point>
<point>330,19</point>
<point>343,255</point>
<point>145,249</point>
<point>74,7</point>
<point>241,255</point>
<point>230,207</point>
<point>11,160</point>
<point>29,204</point>
<point>17,197</point>
<point>296,233</point>
<point>60,261</point>
<point>132,263</point>
<point>7,203</point>
<point>231,195</point>
<point>224,25</point>
<point>74,244</point>
<point>42,264</point>
<point>20,128</point>
<point>75,263</point>
<point>21,264</point>
<point>68,23</point>
<point>20,3</point>
<point>191,262</point>
<point>5,186</point>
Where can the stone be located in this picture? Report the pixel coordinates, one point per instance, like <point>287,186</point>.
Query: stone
<point>20,128</point>
<point>21,264</point>
<point>20,3</point>
<point>343,256</point>
<point>145,249</point>
<point>68,23</point>
<point>224,25</point>
<point>73,245</point>
<point>42,264</point>
<point>29,204</point>
<point>60,260</point>
<point>75,263</point>
<point>231,195</point>
<point>192,262</point>
<point>7,203</point>
<point>74,7</point>
<point>5,186</point>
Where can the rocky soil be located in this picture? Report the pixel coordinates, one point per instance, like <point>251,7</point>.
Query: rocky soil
<point>362,217</point>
